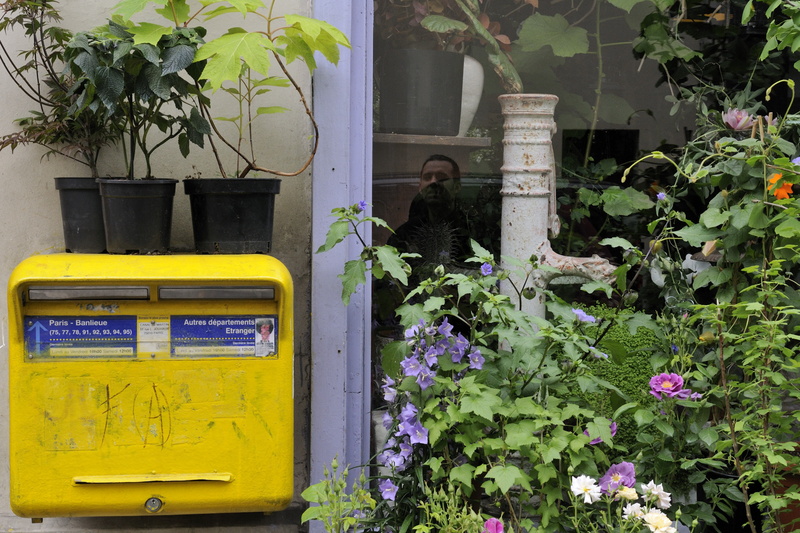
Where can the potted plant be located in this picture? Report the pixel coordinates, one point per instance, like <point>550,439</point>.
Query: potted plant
<point>226,212</point>
<point>420,51</point>
<point>152,85</point>
<point>36,70</point>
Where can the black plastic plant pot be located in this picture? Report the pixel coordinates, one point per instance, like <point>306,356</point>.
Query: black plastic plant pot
<point>420,92</point>
<point>137,214</point>
<point>232,216</point>
<point>81,215</point>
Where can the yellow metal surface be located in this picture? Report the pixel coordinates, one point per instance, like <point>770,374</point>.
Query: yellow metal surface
<point>114,401</point>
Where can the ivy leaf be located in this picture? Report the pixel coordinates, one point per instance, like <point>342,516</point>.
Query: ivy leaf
<point>354,275</point>
<point>540,30</point>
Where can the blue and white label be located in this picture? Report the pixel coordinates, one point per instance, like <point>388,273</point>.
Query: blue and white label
<point>224,335</point>
<point>80,337</point>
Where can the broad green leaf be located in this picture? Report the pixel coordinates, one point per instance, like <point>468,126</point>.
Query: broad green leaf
<point>519,434</point>
<point>506,476</point>
<point>714,217</point>
<point>482,405</point>
<point>643,417</point>
<point>225,55</point>
<point>555,31</point>
<point>440,24</point>
<point>626,5</point>
<point>110,84</point>
<point>698,234</point>
<point>614,109</point>
<point>392,263</point>
<point>354,275</point>
<point>708,436</point>
<point>433,303</point>
<point>336,234</point>
<point>624,202</point>
<point>128,8</point>
<point>758,218</point>
<point>147,33</point>
<point>269,110</point>
<point>593,286</point>
<point>618,242</point>
<point>463,474</point>
<point>157,83</point>
<point>177,58</point>
<point>789,228</point>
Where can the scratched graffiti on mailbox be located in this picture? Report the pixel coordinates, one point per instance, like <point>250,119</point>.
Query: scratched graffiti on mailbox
<point>150,410</point>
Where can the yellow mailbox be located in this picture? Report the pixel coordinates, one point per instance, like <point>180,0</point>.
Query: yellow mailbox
<point>150,384</point>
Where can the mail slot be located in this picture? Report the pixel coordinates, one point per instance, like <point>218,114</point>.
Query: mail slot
<point>150,385</point>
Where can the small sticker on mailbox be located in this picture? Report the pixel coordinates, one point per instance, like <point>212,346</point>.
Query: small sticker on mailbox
<point>224,336</point>
<point>80,337</point>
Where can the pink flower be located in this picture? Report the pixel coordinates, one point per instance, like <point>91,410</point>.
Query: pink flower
<point>668,385</point>
<point>737,119</point>
<point>493,525</point>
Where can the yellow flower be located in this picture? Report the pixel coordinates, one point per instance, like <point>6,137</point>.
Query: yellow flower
<point>782,192</point>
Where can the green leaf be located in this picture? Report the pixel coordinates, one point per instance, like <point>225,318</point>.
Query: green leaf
<point>147,33</point>
<point>354,275</point>
<point>269,110</point>
<point>593,286</point>
<point>110,83</point>
<point>615,109</point>
<point>506,476</point>
<point>336,234</point>
<point>624,202</point>
<point>519,434</point>
<point>714,217</point>
<point>483,405</point>
<point>433,303</point>
<point>758,218</point>
<point>440,24</point>
<point>177,58</point>
<point>708,436</point>
<point>698,234</point>
<point>463,474</point>
<point>391,262</point>
<point>128,8</point>
<point>618,242</point>
<point>226,54</point>
<point>789,228</point>
<point>643,417</point>
<point>555,31</point>
<point>626,5</point>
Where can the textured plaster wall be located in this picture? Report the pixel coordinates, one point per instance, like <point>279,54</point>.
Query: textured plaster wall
<point>30,222</point>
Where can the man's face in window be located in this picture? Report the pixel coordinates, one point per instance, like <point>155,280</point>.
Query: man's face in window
<point>435,172</point>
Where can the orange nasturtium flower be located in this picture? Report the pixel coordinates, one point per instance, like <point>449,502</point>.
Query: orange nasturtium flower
<point>782,192</point>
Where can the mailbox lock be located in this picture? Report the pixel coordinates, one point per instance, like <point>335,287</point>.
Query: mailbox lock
<point>153,505</point>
